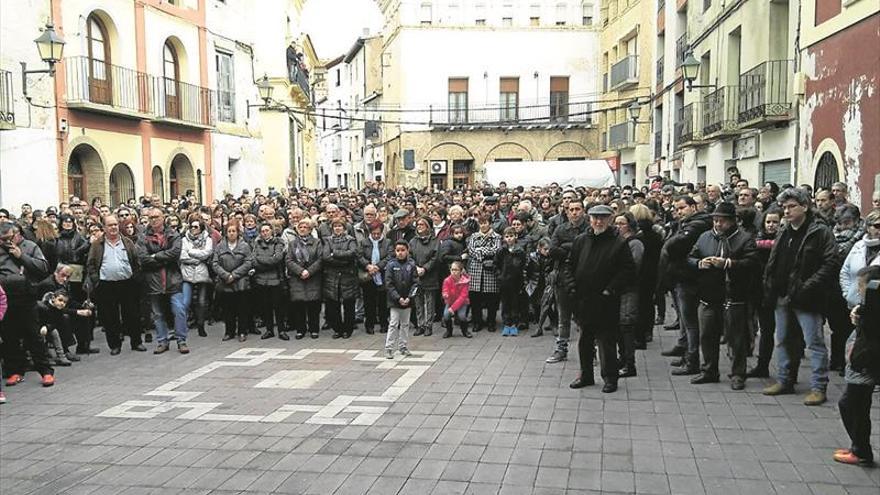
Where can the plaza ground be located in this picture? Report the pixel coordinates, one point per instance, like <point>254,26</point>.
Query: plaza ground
<point>482,416</point>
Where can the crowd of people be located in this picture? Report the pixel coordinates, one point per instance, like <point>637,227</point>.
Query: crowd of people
<point>754,269</point>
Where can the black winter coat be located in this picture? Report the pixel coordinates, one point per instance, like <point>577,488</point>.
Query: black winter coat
<point>423,250</point>
<point>717,285</point>
<point>310,288</point>
<point>601,268</point>
<point>365,253</point>
<point>71,248</point>
<point>401,281</point>
<point>340,268</point>
<point>451,250</point>
<point>511,266</point>
<point>237,262</point>
<point>268,262</point>
<point>816,265</point>
<point>560,246</point>
<point>160,262</point>
<point>673,266</point>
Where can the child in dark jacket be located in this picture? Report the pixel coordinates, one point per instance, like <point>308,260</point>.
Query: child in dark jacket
<point>538,269</point>
<point>54,316</point>
<point>402,286</point>
<point>510,260</point>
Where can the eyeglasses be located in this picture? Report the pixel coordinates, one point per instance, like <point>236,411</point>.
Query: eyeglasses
<point>125,215</point>
<point>195,226</point>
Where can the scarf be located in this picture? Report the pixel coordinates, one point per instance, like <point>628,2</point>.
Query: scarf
<point>198,241</point>
<point>374,259</point>
<point>301,252</point>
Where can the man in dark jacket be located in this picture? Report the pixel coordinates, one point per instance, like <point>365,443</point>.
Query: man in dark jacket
<point>22,266</point>
<point>601,268</point>
<point>802,265</point>
<point>725,258</point>
<point>159,257</point>
<point>111,268</point>
<point>676,273</point>
<point>403,229</point>
<point>560,248</point>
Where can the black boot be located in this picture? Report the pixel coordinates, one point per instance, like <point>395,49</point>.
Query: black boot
<point>267,335</point>
<point>429,330</point>
<point>464,330</point>
<point>202,332</point>
<point>448,325</point>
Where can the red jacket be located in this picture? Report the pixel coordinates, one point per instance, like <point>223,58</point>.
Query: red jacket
<point>455,294</point>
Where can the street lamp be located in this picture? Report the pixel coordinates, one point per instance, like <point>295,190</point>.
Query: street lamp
<point>264,87</point>
<point>690,68</point>
<point>51,48</point>
<point>634,109</point>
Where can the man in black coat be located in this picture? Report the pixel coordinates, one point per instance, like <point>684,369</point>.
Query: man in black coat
<point>675,272</point>
<point>601,268</point>
<point>803,263</point>
<point>560,248</point>
<point>159,258</point>
<point>725,258</point>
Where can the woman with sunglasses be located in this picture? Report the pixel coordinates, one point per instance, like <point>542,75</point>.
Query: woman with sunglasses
<point>196,250</point>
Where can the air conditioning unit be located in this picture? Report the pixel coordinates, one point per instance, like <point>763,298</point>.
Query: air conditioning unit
<point>438,167</point>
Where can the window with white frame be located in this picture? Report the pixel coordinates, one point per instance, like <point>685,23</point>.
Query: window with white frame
<point>480,14</point>
<point>535,14</point>
<point>587,16</point>
<point>225,86</point>
<point>561,13</point>
<point>426,14</point>
<point>507,14</point>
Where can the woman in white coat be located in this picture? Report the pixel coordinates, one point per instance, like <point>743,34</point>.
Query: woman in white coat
<point>865,252</point>
<point>196,251</point>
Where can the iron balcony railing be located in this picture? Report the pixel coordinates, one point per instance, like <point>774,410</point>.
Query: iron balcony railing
<point>7,104</point>
<point>690,122</point>
<point>620,135</point>
<point>625,72</point>
<point>765,91</point>
<point>91,81</point>
<point>681,48</point>
<point>184,102</point>
<point>720,108</point>
<point>298,77</point>
<point>658,144</point>
<point>557,112</point>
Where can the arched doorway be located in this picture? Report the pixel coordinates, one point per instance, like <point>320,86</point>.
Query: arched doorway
<point>121,184</point>
<point>158,184</point>
<point>826,171</point>
<point>85,173</point>
<point>181,176</point>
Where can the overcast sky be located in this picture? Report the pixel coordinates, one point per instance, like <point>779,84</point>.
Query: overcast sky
<point>334,25</point>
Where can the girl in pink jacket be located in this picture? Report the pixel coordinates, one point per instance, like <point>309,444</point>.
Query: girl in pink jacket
<point>455,296</point>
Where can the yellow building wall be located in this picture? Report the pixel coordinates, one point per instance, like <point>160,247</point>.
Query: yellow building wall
<point>276,144</point>
<point>163,153</point>
<point>112,148</point>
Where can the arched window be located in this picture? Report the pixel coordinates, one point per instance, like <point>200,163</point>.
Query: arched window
<point>158,183</point>
<point>76,184</point>
<point>172,181</point>
<point>98,47</point>
<point>121,184</point>
<point>826,171</point>
<point>171,75</point>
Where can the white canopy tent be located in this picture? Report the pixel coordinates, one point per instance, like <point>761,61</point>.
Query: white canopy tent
<point>587,173</point>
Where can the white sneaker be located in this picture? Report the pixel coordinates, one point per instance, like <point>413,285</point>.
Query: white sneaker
<point>389,354</point>
<point>405,352</point>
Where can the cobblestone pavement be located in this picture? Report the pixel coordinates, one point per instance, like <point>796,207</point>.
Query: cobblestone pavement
<point>480,416</point>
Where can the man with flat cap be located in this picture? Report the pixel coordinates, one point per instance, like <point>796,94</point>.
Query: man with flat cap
<point>725,260</point>
<point>601,268</point>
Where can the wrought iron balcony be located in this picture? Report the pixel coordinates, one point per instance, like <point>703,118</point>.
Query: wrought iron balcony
<point>681,48</point>
<point>625,73</point>
<point>765,95</point>
<point>524,116</point>
<point>720,111</point>
<point>690,123</point>
<point>182,103</point>
<point>7,104</point>
<point>106,88</point>
<point>621,135</point>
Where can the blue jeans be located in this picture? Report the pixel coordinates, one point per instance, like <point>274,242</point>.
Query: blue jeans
<point>689,337</point>
<point>814,337</point>
<point>158,305</point>
<point>460,315</point>
<point>200,309</point>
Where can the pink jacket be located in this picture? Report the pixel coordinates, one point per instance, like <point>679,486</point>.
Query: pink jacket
<point>455,294</point>
<point>2,302</point>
